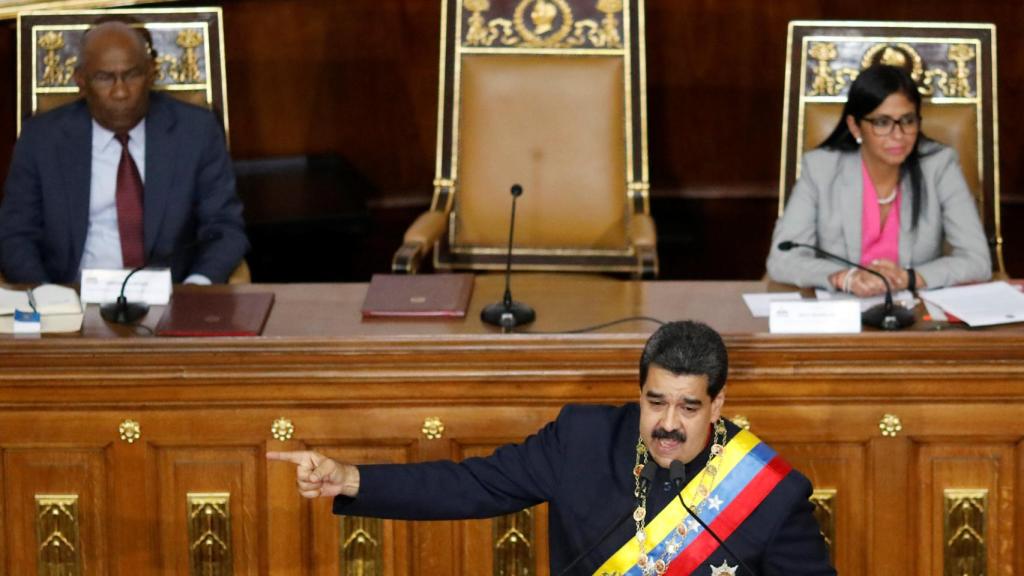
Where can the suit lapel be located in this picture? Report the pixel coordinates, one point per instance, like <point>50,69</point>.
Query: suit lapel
<point>850,187</point>
<point>160,160</point>
<point>76,167</point>
<point>906,217</point>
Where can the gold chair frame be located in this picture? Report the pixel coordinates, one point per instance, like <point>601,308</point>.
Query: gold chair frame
<point>473,30</point>
<point>955,67</point>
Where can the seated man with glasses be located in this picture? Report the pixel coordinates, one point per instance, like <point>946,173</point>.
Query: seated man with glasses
<point>125,177</point>
<point>879,192</point>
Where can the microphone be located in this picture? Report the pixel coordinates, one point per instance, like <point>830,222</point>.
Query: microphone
<point>507,313</point>
<point>887,315</point>
<point>677,473</point>
<point>122,311</point>
<point>646,480</point>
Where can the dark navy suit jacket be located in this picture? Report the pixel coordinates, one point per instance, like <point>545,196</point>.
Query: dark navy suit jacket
<point>192,216</point>
<point>582,465</point>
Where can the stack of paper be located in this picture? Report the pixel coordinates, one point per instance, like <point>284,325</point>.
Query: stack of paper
<point>59,308</point>
<point>980,304</point>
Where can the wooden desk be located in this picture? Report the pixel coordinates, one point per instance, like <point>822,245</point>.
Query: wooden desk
<point>371,391</point>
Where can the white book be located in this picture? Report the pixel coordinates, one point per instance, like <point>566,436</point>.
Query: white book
<point>60,309</point>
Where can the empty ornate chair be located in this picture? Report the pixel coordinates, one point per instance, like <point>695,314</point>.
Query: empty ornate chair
<point>549,94</point>
<point>954,65</point>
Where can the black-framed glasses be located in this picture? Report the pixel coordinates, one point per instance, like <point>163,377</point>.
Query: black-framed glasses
<point>107,79</point>
<point>884,125</point>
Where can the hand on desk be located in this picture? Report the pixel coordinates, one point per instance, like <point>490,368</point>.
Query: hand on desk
<point>319,476</point>
<point>864,285</point>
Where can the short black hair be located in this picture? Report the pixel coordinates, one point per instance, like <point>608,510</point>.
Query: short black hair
<point>687,348</point>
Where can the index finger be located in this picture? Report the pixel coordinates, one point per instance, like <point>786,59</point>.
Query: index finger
<point>295,457</point>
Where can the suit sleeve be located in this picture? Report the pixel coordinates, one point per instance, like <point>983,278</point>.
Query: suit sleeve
<point>799,223</point>
<point>514,477</point>
<point>797,547</point>
<point>969,259</point>
<point>21,218</point>
<point>218,210</point>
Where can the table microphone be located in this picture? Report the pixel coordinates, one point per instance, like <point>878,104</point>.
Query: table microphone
<point>677,473</point>
<point>887,315</point>
<point>646,480</point>
<point>121,311</point>
<point>508,314</point>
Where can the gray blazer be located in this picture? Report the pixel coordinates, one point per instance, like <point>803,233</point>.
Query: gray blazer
<point>824,210</point>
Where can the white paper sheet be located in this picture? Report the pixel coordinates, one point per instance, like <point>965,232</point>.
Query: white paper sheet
<point>980,304</point>
<point>759,303</point>
<point>904,297</point>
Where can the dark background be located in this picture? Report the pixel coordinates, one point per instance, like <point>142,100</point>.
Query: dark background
<point>354,84</point>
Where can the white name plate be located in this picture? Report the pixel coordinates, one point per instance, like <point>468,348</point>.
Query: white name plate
<point>814,317</point>
<point>150,286</point>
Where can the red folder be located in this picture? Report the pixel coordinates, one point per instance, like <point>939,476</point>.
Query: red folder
<point>215,314</point>
<point>426,296</point>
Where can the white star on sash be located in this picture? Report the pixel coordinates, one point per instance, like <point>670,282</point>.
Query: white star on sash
<point>715,502</point>
<point>723,570</point>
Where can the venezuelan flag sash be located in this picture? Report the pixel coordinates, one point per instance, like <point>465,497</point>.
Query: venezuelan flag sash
<point>748,470</point>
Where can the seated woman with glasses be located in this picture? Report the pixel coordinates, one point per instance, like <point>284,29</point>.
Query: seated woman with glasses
<point>880,193</point>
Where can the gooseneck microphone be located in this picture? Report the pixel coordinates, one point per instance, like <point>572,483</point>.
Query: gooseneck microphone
<point>646,480</point>
<point>121,311</point>
<point>508,314</point>
<point>887,315</point>
<point>677,473</point>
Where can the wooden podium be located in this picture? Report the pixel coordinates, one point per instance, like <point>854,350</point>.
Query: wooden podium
<point>124,453</point>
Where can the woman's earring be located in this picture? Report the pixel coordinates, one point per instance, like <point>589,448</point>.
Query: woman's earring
<point>859,140</point>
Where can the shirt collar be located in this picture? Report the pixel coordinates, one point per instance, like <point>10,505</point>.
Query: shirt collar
<point>101,137</point>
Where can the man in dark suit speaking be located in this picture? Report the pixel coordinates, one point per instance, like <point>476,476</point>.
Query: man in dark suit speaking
<point>122,178</point>
<point>616,479</point>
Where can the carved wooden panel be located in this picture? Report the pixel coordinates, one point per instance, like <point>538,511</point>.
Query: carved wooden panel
<point>184,471</point>
<point>965,506</point>
<point>332,551</point>
<point>33,472</point>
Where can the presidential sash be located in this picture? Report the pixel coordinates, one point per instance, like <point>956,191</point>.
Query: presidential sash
<point>748,470</point>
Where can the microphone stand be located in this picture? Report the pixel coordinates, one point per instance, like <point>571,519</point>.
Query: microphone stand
<point>508,314</point>
<point>887,315</point>
<point>122,311</point>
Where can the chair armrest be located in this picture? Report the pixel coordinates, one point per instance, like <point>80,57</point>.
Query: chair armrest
<point>241,274</point>
<point>644,236</point>
<point>418,241</point>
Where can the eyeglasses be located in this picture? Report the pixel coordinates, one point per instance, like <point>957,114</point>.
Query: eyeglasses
<point>884,125</point>
<point>108,79</point>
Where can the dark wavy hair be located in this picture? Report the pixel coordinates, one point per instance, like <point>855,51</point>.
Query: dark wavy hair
<point>687,348</point>
<point>868,91</point>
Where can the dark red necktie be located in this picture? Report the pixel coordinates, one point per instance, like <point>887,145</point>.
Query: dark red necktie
<point>129,207</point>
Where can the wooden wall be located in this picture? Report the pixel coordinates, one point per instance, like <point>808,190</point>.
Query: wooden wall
<point>358,78</point>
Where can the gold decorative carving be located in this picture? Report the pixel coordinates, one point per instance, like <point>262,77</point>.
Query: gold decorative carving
<point>130,431</point>
<point>964,533</point>
<point>824,502</point>
<point>828,81</point>
<point>209,534</point>
<point>282,429</point>
<point>57,535</point>
<point>543,24</point>
<point>433,428</point>
<point>55,71</point>
<point>361,552</point>
<point>890,425</point>
<point>741,421</point>
<point>183,70</point>
<point>513,544</point>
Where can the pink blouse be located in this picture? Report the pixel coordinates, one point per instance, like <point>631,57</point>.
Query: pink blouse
<point>879,240</point>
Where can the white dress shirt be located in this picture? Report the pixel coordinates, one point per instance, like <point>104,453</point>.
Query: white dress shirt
<point>103,238</point>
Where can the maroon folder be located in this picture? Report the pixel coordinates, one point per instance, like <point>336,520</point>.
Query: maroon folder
<point>427,296</point>
<point>215,314</point>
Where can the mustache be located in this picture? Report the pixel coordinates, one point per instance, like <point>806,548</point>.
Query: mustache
<point>661,433</point>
